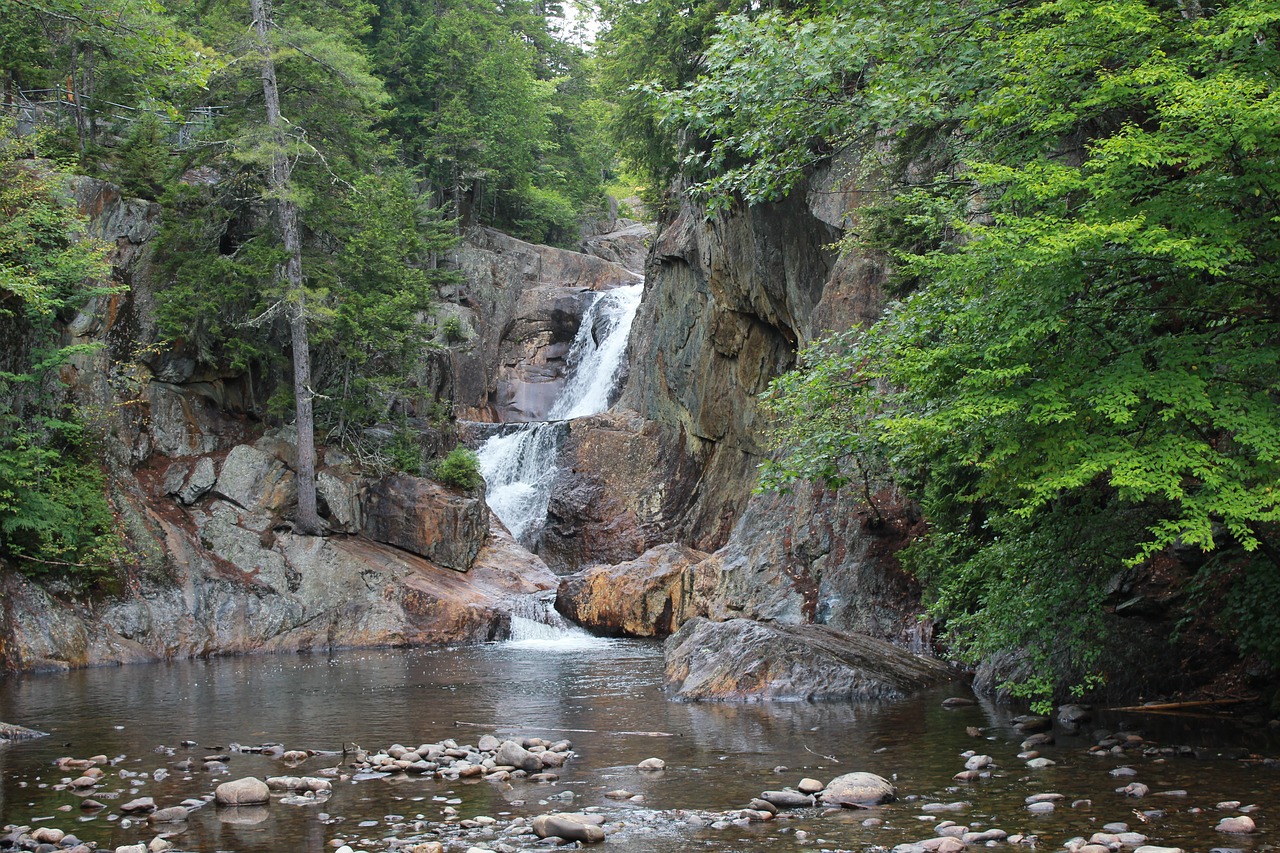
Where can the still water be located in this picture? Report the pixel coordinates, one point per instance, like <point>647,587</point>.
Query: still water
<point>718,757</point>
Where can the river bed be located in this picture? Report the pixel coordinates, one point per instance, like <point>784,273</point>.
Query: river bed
<point>604,695</point>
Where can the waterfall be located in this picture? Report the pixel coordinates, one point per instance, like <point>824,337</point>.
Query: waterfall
<point>535,622</point>
<point>519,466</point>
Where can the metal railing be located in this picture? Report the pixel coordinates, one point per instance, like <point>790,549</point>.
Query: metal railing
<point>62,108</point>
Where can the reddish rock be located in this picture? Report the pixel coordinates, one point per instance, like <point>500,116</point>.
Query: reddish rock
<point>650,596</point>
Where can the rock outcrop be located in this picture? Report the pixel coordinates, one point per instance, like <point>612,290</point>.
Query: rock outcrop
<point>522,305</point>
<point>744,660</point>
<point>236,590</point>
<point>650,596</point>
<point>445,525</point>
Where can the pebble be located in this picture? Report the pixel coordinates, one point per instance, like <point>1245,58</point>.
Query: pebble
<point>1041,763</point>
<point>1041,808</point>
<point>651,764</point>
<point>978,762</point>
<point>1134,789</point>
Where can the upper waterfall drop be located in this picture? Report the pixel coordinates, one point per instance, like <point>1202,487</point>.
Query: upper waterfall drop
<point>519,466</point>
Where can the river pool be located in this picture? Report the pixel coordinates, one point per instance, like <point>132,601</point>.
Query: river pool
<point>606,697</point>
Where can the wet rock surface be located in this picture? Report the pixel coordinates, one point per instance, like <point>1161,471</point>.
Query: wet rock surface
<point>742,660</point>
<point>651,596</point>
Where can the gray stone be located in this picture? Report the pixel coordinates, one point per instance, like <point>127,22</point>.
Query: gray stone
<point>172,814</point>
<point>256,481</point>
<point>652,764</point>
<point>513,754</point>
<point>141,805</point>
<point>741,659</point>
<point>1241,825</point>
<point>1073,715</point>
<point>242,792</point>
<point>810,786</point>
<point>570,826</point>
<point>202,479</point>
<point>341,494</point>
<point>788,799</point>
<point>858,789</point>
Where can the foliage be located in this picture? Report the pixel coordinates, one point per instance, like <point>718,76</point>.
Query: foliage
<point>459,468</point>
<point>404,450</point>
<point>369,241</point>
<point>1083,205</point>
<point>99,66</point>
<point>452,329</point>
<point>498,115</point>
<point>53,508</point>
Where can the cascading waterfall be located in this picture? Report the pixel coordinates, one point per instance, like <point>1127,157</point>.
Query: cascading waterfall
<point>535,622</point>
<point>519,466</point>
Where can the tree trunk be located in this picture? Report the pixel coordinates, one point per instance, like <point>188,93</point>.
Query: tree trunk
<point>307,520</point>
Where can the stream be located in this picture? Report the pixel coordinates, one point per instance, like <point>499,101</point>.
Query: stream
<point>718,757</point>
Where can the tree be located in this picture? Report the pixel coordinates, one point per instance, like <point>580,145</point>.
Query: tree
<point>54,514</point>
<point>286,211</point>
<point>494,111</point>
<point>366,242</point>
<point>1083,371</point>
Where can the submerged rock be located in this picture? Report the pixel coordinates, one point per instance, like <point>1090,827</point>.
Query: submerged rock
<point>742,660</point>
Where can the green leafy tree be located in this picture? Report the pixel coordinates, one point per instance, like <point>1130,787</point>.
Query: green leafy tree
<point>96,67</point>
<point>496,112</point>
<point>1084,369</point>
<point>350,290</point>
<point>54,514</point>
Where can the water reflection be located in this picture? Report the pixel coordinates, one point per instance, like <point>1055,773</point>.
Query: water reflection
<point>606,697</point>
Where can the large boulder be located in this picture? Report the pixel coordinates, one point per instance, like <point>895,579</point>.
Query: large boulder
<point>621,486</point>
<point>256,481</point>
<point>249,791</point>
<point>650,596</point>
<point>446,526</point>
<point>858,789</point>
<point>742,660</point>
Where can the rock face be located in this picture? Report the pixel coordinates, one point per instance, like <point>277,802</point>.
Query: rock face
<point>425,518</point>
<point>743,660</point>
<point>626,245</point>
<point>524,304</point>
<point>622,486</point>
<point>815,555</point>
<point>650,596</point>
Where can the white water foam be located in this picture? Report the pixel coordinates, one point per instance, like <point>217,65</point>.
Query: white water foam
<point>519,466</point>
<point>536,624</point>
